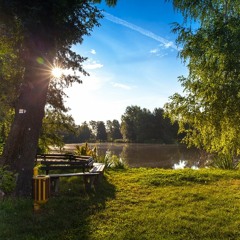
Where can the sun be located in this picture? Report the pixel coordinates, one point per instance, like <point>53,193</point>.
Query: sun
<point>57,72</point>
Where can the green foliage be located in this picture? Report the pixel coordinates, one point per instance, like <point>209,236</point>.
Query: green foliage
<point>84,150</point>
<point>112,161</point>
<point>11,64</point>
<point>59,26</point>
<point>224,162</point>
<point>7,180</point>
<point>101,132</point>
<point>54,123</point>
<point>128,205</point>
<point>110,3</point>
<point>113,130</point>
<point>5,123</point>
<point>47,32</point>
<point>84,133</point>
<point>140,125</point>
<point>208,112</point>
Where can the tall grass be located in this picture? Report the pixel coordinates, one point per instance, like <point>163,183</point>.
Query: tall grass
<point>112,161</point>
<point>109,159</point>
<point>225,162</point>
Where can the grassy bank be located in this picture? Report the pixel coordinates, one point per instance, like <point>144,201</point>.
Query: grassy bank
<point>133,204</point>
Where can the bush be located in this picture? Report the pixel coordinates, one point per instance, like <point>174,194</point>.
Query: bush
<point>86,151</point>
<point>7,180</point>
<point>224,162</point>
<point>112,161</point>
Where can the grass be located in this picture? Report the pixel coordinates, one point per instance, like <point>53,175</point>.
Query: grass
<point>133,204</point>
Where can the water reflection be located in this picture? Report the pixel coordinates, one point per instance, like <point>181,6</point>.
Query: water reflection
<point>180,165</point>
<point>152,155</point>
<point>183,164</point>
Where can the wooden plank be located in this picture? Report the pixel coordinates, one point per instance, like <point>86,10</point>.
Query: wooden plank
<point>72,174</point>
<point>57,156</point>
<point>69,157</point>
<point>60,162</point>
<point>64,161</point>
<point>61,167</point>
<point>98,167</point>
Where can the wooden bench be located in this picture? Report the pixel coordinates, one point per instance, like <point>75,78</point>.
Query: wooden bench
<point>91,177</point>
<point>64,162</point>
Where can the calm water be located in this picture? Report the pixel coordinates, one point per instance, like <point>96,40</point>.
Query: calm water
<point>151,155</point>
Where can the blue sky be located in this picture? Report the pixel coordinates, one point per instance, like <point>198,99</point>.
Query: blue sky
<point>132,60</point>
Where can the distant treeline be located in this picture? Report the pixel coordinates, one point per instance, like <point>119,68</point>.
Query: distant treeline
<point>137,125</point>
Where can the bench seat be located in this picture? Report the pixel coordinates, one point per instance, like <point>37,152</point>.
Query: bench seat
<point>90,171</point>
<point>64,162</point>
<point>91,178</point>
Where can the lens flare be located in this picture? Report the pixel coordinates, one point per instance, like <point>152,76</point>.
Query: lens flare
<point>57,72</point>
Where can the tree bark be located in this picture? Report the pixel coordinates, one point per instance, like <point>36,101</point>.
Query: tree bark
<point>21,146</point>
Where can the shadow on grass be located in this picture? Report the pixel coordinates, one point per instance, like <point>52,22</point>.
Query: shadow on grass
<point>63,217</point>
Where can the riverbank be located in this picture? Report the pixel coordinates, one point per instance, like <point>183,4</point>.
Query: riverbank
<point>133,204</point>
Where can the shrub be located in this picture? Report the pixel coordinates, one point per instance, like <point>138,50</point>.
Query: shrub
<point>112,161</point>
<point>86,151</point>
<point>224,162</point>
<point>7,180</point>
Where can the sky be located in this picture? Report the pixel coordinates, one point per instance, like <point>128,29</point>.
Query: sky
<point>132,61</point>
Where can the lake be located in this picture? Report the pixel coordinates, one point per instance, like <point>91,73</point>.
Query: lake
<point>151,155</point>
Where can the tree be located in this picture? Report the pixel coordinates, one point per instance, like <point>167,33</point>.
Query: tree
<point>137,125</point>
<point>164,131</point>
<point>93,125</point>
<point>55,123</point>
<point>129,123</point>
<point>10,77</point>
<point>113,130</point>
<point>208,112</point>
<point>48,30</point>
<point>142,126</point>
<point>84,133</point>
<point>11,69</point>
<point>101,132</point>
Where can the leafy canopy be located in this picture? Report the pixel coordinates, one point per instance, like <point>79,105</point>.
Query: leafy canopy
<point>208,111</point>
<point>25,27</point>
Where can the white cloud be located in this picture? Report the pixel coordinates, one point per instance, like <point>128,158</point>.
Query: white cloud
<point>154,50</point>
<point>120,85</point>
<point>159,52</point>
<point>93,51</point>
<point>169,44</point>
<point>91,64</point>
<point>142,31</point>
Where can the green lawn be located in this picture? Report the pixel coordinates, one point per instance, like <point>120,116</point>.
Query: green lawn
<point>133,204</point>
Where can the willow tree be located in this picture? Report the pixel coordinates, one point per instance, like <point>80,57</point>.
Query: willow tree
<point>209,110</point>
<point>48,30</point>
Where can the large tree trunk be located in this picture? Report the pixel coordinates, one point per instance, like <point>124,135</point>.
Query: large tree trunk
<point>21,146</point>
